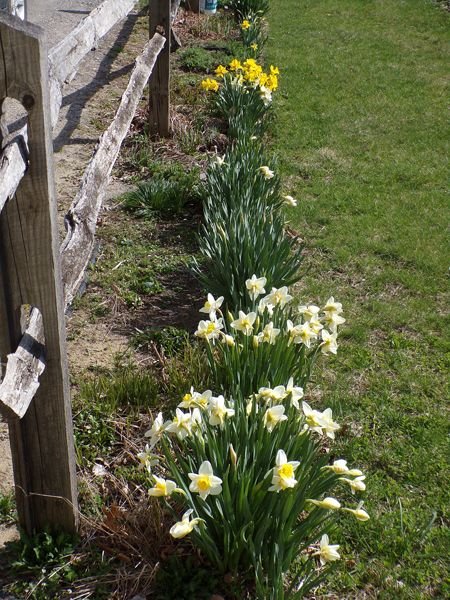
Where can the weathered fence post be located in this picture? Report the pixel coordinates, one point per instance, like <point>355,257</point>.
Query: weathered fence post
<point>159,115</point>
<point>41,441</point>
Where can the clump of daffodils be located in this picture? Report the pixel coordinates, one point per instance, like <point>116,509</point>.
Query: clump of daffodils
<point>245,76</point>
<point>246,465</point>
<point>270,342</point>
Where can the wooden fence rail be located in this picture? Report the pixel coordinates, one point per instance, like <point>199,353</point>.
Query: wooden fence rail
<point>34,393</point>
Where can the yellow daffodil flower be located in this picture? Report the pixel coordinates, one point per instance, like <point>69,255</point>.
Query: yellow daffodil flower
<point>245,24</point>
<point>210,85</point>
<point>254,46</point>
<point>235,65</point>
<point>221,71</point>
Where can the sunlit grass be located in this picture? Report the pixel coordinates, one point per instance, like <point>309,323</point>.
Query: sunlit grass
<point>361,131</point>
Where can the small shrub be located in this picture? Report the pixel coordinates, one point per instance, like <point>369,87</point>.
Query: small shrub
<point>166,193</point>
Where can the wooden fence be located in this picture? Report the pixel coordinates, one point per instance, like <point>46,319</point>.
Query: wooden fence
<point>38,280</point>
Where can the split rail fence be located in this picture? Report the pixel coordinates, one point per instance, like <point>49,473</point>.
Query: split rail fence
<point>38,279</point>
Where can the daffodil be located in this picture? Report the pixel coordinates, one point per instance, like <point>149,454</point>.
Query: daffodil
<point>283,473</point>
<point>358,513</point>
<point>245,24</point>
<point>185,526</point>
<point>274,70</point>
<point>357,484</point>
<point>295,391</point>
<point>309,311</point>
<point>333,320</point>
<point>221,71</point>
<point>147,459</point>
<point>210,85</point>
<point>194,399</point>
<point>313,418</point>
<point>205,482</point>
<point>269,334</point>
<point>275,394</point>
<point>300,334</point>
<point>289,200</point>
<point>266,96</point>
<point>209,330</point>
<point>273,416</point>
<point>218,410</point>
<point>229,340</point>
<point>235,65</point>
<point>255,286</point>
<point>219,161</point>
<point>329,342</point>
<point>339,467</point>
<point>163,487</point>
<point>244,323</point>
<point>327,552</point>
<point>327,503</point>
<point>254,46</point>
<point>211,306</point>
<point>329,427</point>
<point>278,297</point>
<point>266,172</point>
<point>184,424</point>
<point>332,306</point>
<point>156,430</point>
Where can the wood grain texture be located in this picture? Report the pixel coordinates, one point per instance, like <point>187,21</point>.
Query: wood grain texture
<point>13,164</point>
<point>159,113</point>
<point>42,442</point>
<point>81,219</point>
<point>65,58</point>
<point>23,369</point>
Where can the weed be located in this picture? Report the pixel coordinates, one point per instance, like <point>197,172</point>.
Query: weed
<point>170,340</point>
<point>202,60</point>
<point>185,578</point>
<point>7,508</point>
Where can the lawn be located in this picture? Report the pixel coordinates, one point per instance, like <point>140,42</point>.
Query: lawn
<point>361,133</point>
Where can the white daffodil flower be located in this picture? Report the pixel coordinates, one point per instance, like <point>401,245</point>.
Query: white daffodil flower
<point>332,306</point>
<point>266,95</point>
<point>329,342</point>
<point>194,399</point>
<point>339,467</point>
<point>218,411</point>
<point>209,330</point>
<point>295,391</point>
<point>244,323</point>
<point>269,334</point>
<point>315,325</point>
<point>273,416</point>
<point>327,503</point>
<point>332,320</point>
<point>312,418</point>
<point>276,394</point>
<point>255,286</point>
<point>183,424</point>
<point>185,526</point>
<point>163,487</point>
<point>278,297</point>
<point>147,459</point>
<point>266,172</point>
<point>219,160</point>
<point>156,431</point>
<point>290,201</point>
<point>309,311</point>
<point>283,473</point>
<point>358,513</point>
<point>327,552</point>
<point>205,482</point>
<point>356,485</point>
<point>328,425</point>
<point>229,340</point>
<point>211,306</point>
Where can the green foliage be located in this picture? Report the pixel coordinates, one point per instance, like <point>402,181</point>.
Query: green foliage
<point>242,8</point>
<point>184,578</point>
<point>243,109</point>
<point>166,193</point>
<point>201,60</point>
<point>170,340</point>
<point>361,135</point>
<point>255,34</point>
<point>243,233</point>
<point>7,508</point>
<point>44,564</point>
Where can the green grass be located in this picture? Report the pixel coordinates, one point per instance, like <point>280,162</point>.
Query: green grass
<point>364,84</point>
